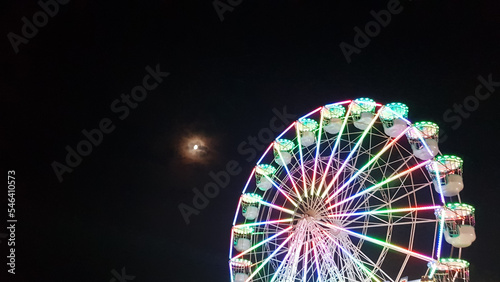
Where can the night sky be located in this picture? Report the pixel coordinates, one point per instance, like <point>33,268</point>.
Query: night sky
<point>216,79</point>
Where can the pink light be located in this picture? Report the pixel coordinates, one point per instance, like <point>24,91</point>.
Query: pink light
<point>309,114</point>
<point>248,181</point>
<point>265,153</point>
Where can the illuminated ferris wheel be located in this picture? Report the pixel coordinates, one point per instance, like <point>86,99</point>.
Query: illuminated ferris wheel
<point>353,191</point>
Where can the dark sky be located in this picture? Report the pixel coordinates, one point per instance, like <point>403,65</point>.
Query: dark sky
<point>118,208</point>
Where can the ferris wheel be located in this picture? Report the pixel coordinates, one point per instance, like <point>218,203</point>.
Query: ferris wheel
<point>353,191</point>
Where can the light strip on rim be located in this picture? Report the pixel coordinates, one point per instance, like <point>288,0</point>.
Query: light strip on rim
<point>286,130</point>
<point>378,184</point>
<point>265,153</point>
<point>248,181</point>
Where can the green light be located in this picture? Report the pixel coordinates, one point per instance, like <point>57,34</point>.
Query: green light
<point>460,206</point>
<point>243,230</point>
<point>284,145</point>
<point>307,124</point>
<point>333,111</point>
<point>251,198</point>
<point>451,162</point>
<point>363,105</point>
<point>394,111</point>
<point>265,169</point>
<point>240,263</point>
<point>427,129</point>
<point>455,261</point>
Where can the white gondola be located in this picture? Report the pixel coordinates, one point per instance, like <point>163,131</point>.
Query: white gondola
<point>250,205</point>
<point>242,238</point>
<point>307,127</point>
<point>446,172</point>
<point>393,118</point>
<point>332,118</point>
<point>240,269</point>
<point>282,149</point>
<point>363,111</point>
<point>423,139</point>
<point>459,221</point>
<point>448,269</point>
<point>263,176</point>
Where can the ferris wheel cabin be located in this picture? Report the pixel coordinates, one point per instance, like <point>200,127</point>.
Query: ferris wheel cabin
<point>423,139</point>
<point>448,269</point>
<point>332,118</point>
<point>446,172</point>
<point>459,221</point>
<point>242,238</point>
<point>282,149</point>
<point>263,174</point>
<point>306,127</point>
<point>393,117</point>
<point>363,111</point>
<point>240,269</point>
<point>250,205</point>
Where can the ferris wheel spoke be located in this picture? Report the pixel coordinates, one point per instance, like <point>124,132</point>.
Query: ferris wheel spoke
<point>266,261</point>
<point>262,202</point>
<point>391,211</point>
<point>388,203</point>
<point>262,242</point>
<point>268,222</point>
<point>379,184</point>
<point>327,253</point>
<point>335,147</point>
<point>301,159</point>
<point>352,152</point>
<point>354,259</point>
<point>281,191</point>
<point>369,261</point>
<point>291,178</point>
<point>381,243</point>
<point>318,143</point>
<point>369,163</point>
<point>390,224</point>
